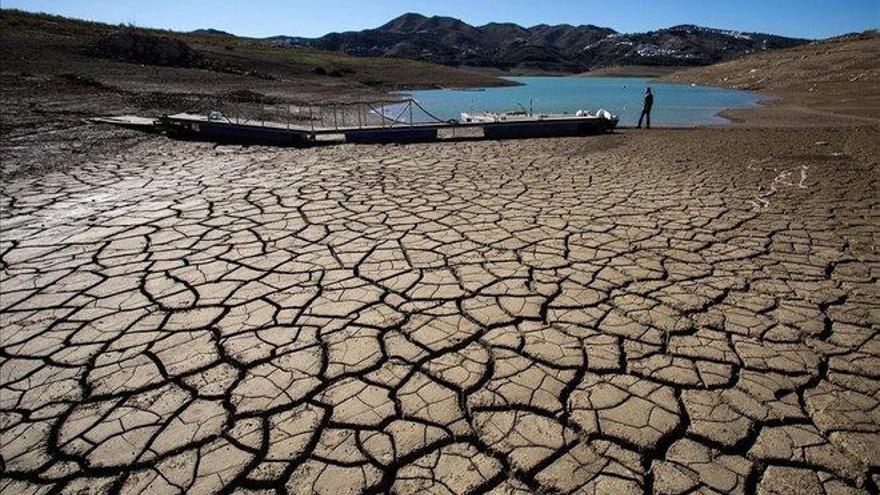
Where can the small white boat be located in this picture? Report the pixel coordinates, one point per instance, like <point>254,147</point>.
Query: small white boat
<point>518,116</point>
<point>524,124</point>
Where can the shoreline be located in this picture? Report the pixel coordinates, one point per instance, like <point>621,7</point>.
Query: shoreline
<point>771,110</point>
<point>775,111</point>
<point>721,113</point>
<point>820,84</point>
<point>633,71</point>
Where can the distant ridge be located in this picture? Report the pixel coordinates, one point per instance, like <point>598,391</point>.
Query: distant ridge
<point>212,32</point>
<point>563,48</point>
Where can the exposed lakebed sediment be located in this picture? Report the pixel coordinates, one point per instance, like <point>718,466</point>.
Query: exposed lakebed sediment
<point>626,313</point>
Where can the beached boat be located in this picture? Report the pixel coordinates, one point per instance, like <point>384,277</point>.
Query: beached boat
<point>215,126</point>
<point>507,125</point>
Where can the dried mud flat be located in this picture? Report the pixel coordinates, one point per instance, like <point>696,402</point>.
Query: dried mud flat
<point>662,312</point>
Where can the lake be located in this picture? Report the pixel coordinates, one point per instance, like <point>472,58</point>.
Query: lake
<point>674,104</point>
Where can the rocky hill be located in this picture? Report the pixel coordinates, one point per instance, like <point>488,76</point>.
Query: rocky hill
<point>564,48</point>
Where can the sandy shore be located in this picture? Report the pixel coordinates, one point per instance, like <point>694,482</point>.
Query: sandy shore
<point>664,311</point>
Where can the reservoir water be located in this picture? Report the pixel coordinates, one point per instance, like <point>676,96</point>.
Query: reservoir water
<point>674,104</point>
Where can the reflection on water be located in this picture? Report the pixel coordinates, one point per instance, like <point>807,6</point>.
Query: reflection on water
<point>674,104</point>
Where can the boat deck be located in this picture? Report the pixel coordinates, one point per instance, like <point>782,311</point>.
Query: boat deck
<point>288,133</point>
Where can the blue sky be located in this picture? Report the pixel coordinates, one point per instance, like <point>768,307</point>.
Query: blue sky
<point>805,18</point>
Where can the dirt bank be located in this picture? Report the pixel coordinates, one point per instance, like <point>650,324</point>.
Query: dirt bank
<point>833,82</point>
<point>632,71</point>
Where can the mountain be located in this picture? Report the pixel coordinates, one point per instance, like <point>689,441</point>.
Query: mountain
<point>563,48</point>
<point>684,45</point>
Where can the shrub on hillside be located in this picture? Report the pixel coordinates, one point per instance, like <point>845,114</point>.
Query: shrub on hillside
<point>141,48</point>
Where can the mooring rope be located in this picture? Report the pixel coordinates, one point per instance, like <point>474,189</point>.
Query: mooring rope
<point>412,101</point>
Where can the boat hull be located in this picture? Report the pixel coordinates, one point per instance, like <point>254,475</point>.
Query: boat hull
<point>200,128</point>
<point>235,133</point>
<point>396,135</point>
<point>546,128</point>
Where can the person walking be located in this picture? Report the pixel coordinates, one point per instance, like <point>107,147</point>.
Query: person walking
<point>646,109</point>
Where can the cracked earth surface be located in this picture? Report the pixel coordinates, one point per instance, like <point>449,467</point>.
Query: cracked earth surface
<point>666,312</point>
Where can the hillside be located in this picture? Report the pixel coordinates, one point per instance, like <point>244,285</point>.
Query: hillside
<point>839,76</point>
<point>560,48</point>
<point>50,45</point>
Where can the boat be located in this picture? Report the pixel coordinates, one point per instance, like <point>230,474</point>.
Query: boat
<point>522,124</point>
<point>215,126</point>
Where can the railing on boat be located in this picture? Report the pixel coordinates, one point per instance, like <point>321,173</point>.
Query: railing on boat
<point>253,118</point>
<point>316,117</point>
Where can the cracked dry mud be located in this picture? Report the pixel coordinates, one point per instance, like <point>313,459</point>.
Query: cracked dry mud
<point>656,313</point>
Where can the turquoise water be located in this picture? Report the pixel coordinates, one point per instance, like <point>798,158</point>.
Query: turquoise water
<point>674,104</point>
